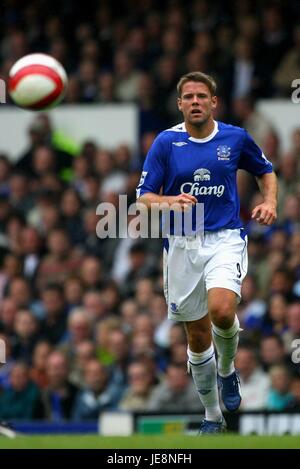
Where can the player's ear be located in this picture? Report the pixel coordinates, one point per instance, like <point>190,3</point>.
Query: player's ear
<point>179,104</point>
<point>214,102</point>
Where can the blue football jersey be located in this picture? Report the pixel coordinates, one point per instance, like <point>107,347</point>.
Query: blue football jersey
<point>206,168</point>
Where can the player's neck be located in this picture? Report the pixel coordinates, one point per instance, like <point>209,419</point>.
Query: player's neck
<point>202,131</point>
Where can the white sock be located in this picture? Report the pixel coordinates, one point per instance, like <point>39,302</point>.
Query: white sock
<point>204,372</point>
<point>226,342</point>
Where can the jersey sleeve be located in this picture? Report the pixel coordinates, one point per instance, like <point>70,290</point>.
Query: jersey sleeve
<point>252,158</point>
<point>154,168</point>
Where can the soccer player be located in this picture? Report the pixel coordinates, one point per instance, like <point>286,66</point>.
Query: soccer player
<point>196,162</point>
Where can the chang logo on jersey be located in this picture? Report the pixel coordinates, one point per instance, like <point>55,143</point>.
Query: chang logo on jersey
<point>202,174</point>
<point>194,188</point>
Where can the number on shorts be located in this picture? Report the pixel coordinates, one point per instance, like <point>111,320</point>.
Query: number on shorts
<point>239,270</point>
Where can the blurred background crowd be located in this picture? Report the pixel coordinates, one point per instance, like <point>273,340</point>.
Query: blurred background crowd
<point>84,319</point>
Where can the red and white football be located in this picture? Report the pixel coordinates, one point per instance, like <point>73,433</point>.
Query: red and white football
<point>37,82</point>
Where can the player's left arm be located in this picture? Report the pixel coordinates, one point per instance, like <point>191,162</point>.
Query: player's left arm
<point>253,160</point>
<point>265,213</point>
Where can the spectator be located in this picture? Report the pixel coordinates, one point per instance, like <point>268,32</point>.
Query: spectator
<point>275,321</point>
<point>22,401</point>
<point>53,326</point>
<point>176,393</point>
<point>96,396</point>
<point>295,391</point>
<point>19,193</point>
<point>119,348</point>
<point>129,313</point>
<point>26,335</point>
<point>31,246</point>
<point>84,351</point>
<point>42,133</point>
<point>5,170</point>
<point>38,373</point>
<point>106,88</point>
<point>272,352</point>
<point>102,335</point>
<point>44,161</point>
<point>271,147</point>
<point>294,254</point>
<point>293,322</point>
<point>242,74</point>
<point>94,305</point>
<point>140,267</point>
<point>91,273</point>
<point>8,312</point>
<point>126,77</point>
<point>275,41</point>
<point>71,216</point>
<point>46,215</point>
<point>81,169</point>
<point>177,335</point>
<point>279,396</point>
<point>78,330</point>
<point>5,368</point>
<point>287,185</point>
<point>251,310</point>
<point>111,297</point>
<point>91,244</point>
<point>246,115</point>
<point>289,67</point>
<point>20,290</point>
<point>60,395</point>
<point>178,354</point>
<point>143,293</point>
<point>141,381</point>
<point>73,292</point>
<point>255,383</point>
<point>62,260</point>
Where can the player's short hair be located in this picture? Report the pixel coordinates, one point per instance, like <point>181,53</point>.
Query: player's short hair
<point>199,77</point>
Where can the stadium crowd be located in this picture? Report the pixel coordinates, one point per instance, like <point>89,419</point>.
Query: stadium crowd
<point>130,51</point>
<point>83,318</point>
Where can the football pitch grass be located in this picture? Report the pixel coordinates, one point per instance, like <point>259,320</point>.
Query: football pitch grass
<point>151,442</point>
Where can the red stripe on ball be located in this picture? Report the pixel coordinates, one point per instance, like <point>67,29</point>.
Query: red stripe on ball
<point>38,70</point>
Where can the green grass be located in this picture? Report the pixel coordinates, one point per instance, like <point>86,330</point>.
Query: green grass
<point>150,441</point>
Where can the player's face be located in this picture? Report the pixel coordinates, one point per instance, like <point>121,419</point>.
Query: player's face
<point>196,103</point>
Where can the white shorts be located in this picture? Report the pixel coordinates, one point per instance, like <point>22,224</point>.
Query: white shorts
<point>194,265</point>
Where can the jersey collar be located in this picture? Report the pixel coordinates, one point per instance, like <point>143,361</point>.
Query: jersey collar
<point>206,139</point>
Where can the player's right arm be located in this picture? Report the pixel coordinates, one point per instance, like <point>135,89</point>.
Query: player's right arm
<point>184,201</point>
<point>153,178</point>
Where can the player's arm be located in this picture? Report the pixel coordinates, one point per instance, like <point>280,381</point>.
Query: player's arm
<point>153,178</point>
<point>265,213</point>
<point>253,160</point>
<point>184,201</point>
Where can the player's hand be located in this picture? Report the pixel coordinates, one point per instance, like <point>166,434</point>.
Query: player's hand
<point>182,202</point>
<point>265,213</point>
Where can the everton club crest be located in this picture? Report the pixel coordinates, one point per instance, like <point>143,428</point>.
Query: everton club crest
<point>223,152</point>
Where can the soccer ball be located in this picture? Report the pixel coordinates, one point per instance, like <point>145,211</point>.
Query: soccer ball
<point>37,82</point>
